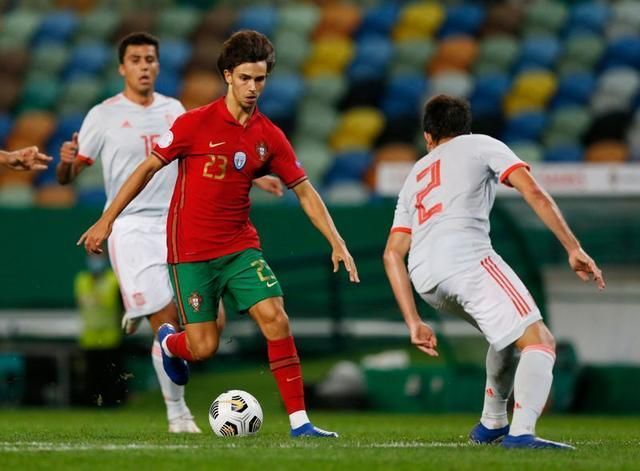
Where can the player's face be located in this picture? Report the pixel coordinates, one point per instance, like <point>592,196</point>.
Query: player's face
<point>246,83</point>
<point>140,68</point>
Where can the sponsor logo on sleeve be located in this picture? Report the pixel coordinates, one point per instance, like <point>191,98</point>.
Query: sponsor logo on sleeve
<point>165,140</point>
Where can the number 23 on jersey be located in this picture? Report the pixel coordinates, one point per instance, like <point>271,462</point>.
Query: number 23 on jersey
<point>432,176</point>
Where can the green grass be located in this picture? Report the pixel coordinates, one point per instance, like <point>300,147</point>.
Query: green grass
<point>135,437</point>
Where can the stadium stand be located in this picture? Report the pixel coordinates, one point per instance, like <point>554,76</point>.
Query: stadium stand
<point>558,80</point>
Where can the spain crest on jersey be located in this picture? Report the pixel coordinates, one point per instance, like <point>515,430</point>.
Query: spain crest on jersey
<point>195,301</point>
<point>261,150</point>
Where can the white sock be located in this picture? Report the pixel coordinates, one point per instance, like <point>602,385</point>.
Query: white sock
<point>298,419</point>
<point>172,393</point>
<point>532,385</point>
<point>501,369</point>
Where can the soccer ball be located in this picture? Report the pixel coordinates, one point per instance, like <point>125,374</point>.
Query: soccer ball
<point>235,413</point>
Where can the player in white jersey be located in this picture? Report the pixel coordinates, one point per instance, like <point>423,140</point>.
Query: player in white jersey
<point>442,222</point>
<point>121,131</point>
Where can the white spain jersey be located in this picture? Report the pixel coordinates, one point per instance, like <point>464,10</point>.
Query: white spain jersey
<point>445,204</point>
<point>122,134</point>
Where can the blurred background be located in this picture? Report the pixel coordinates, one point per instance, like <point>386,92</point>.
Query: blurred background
<point>559,81</point>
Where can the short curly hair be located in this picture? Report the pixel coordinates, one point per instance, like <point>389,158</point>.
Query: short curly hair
<point>246,46</point>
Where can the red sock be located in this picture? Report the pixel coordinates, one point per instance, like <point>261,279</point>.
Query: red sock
<point>177,345</point>
<point>285,366</point>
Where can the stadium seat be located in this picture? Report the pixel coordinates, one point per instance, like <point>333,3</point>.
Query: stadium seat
<point>14,60</point>
<point>626,19</point>
<point>526,126</point>
<point>19,26</point>
<point>370,62</point>
<point>581,54</point>
<point>293,49</point>
<point>537,52</point>
<point>317,119</point>
<point>455,83</point>
<point>411,56</point>
<point>204,55</point>
<point>348,166</point>
<point>574,88</point>
<point>98,25</point>
<point>329,55</point>
<point>489,90</point>
<point>78,95</point>
<point>453,54</point>
<point>40,92</point>
<point>357,129</point>
<point>260,18</point>
<point>338,19</point>
<point>329,88</point>
<point>16,195</point>
<point>528,151</point>
<point>379,20</point>
<point>531,90</point>
<point>394,152</point>
<point>607,151</point>
<point>565,153</point>
<point>496,54</point>
<point>177,22</point>
<point>300,19</point>
<point>623,51</point>
<point>567,124</point>
<point>174,55</point>
<point>10,90</point>
<point>589,16</point>
<point>315,158</point>
<point>464,19</point>
<point>546,16</point>
<point>32,128</point>
<point>199,88</point>
<point>404,96</point>
<point>503,19</point>
<point>611,126</point>
<point>347,192</point>
<point>418,21</point>
<point>50,58</point>
<point>169,83</point>
<point>55,196</point>
<point>87,59</point>
<point>134,21</point>
<point>57,26</point>
<point>217,22</point>
<point>94,197</point>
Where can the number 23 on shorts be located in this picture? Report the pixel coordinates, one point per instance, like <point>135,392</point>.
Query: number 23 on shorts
<point>264,272</point>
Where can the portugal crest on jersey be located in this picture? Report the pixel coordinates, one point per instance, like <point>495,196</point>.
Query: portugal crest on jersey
<point>239,159</point>
<point>195,301</point>
<point>261,150</point>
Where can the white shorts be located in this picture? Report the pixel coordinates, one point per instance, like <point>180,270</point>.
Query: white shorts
<point>138,253</point>
<point>490,296</point>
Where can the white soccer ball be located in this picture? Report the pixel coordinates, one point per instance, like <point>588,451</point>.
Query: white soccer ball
<point>235,413</point>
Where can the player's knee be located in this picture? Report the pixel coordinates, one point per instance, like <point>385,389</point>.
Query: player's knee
<point>204,349</point>
<point>276,323</point>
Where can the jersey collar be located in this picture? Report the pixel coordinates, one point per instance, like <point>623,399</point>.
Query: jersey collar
<point>224,113</point>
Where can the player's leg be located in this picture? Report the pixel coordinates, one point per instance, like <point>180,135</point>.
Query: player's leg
<point>494,422</point>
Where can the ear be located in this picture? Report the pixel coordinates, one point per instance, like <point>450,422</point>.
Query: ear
<point>428,140</point>
<point>121,70</point>
<point>227,76</point>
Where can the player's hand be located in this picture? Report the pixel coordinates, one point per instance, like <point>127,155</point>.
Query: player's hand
<point>269,184</point>
<point>69,150</point>
<point>29,158</point>
<point>341,254</point>
<point>585,267</point>
<point>95,236</point>
<point>424,338</point>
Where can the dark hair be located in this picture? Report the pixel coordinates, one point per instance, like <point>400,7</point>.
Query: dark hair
<point>246,46</point>
<point>446,116</point>
<point>137,39</point>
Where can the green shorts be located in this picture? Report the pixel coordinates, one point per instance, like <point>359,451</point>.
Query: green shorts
<point>241,279</point>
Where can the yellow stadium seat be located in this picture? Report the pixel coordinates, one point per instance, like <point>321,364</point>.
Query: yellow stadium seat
<point>418,20</point>
<point>358,128</point>
<point>531,90</point>
<point>329,55</point>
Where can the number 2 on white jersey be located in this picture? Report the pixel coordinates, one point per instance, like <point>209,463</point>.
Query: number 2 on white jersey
<point>433,172</point>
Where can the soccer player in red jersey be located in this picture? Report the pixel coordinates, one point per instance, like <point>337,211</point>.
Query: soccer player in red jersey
<point>214,250</point>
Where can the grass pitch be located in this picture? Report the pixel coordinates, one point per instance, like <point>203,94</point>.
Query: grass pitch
<point>135,437</point>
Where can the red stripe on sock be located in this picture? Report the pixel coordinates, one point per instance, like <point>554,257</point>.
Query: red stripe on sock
<point>540,347</point>
<point>285,367</point>
<point>177,345</point>
<point>504,288</point>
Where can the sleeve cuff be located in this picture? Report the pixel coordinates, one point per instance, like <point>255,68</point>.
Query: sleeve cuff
<point>297,182</point>
<point>87,160</point>
<point>162,158</point>
<point>507,172</point>
<point>406,230</point>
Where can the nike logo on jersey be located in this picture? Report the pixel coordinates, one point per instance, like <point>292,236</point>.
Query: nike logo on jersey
<point>211,144</point>
<point>271,283</point>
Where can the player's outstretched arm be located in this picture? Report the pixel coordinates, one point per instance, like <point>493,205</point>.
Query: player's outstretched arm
<point>28,158</point>
<point>422,336</point>
<point>99,232</point>
<point>315,209</point>
<point>547,210</point>
<point>69,166</point>
<point>269,184</point>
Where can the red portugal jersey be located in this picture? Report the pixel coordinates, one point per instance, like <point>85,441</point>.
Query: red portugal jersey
<point>218,158</point>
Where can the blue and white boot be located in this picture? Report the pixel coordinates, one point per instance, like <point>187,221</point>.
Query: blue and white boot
<point>531,441</point>
<point>176,368</point>
<point>308,430</point>
<point>481,435</point>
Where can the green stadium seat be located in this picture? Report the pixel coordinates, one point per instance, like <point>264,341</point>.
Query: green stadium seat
<point>40,92</point>
<point>98,25</point>
<point>453,83</point>
<point>411,56</point>
<point>177,22</point>
<point>112,85</point>
<point>301,19</point>
<point>316,119</point>
<point>545,17</point>
<point>566,125</point>
<point>315,156</point>
<point>50,58</point>
<point>292,48</point>
<point>581,53</point>
<point>496,54</point>
<point>78,95</point>
<point>327,88</point>
<point>19,26</point>
<point>528,151</point>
